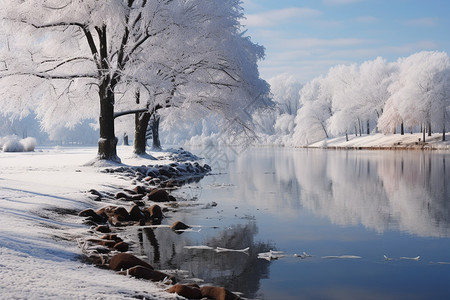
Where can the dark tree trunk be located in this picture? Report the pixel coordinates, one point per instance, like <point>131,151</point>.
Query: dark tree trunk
<point>140,130</point>
<point>368,127</point>
<point>346,136</point>
<point>154,126</point>
<point>423,133</point>
<point>402,129</point>
<point>360,127</point>
<point>125,139</point>
<point>443,131</point>
<point>107,142</point>
<point>324,129</point>
<point>429,128</point>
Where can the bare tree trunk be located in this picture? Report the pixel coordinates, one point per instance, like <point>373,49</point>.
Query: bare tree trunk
<point>154,126</point>
<point>346,136</point>
<point>360,129</point>
<point>429,128</point>
<point>402,129</point>
<point>443,124</point>
<point>443,127</point>
<point>324,129</point>
<point>140,130</point>
<point>423,132</point>
<point>368,127</point>
<point>107,142</point>
<point>125,139</point>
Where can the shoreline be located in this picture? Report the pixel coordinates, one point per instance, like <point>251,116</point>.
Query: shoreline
<point>43,191</point>
<point>384,142</point>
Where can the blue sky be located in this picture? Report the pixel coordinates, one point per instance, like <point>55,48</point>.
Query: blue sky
<point>307,37</point>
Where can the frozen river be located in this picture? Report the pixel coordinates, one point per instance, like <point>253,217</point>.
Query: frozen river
<point>375,225</point>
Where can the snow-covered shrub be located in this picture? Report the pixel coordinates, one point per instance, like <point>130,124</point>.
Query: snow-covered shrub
<point>28,143</point>
<point>12,143</point>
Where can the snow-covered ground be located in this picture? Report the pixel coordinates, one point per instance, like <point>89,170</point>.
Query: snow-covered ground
<point>386,141</point>
<point>40,194</point>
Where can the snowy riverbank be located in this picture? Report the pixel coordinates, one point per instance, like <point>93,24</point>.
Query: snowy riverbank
<point>41,193</point>
<point>381,141</point>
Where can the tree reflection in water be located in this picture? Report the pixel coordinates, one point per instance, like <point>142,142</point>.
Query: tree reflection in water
<point>382,190</point>
<point>236,271</point>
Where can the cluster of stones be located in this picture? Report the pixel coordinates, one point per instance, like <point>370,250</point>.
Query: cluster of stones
<point>110,250</point>
<point>175,174</point>
<point>128,264</point>
<point>193,291</point>
<point>117,216</point>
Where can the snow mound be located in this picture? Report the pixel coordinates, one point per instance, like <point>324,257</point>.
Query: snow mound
<point>29,144</point>
<point>178,155</point>
<point>12,143</point>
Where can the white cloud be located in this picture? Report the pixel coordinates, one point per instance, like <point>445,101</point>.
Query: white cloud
<point>276,17</point>
<point>423,22</point>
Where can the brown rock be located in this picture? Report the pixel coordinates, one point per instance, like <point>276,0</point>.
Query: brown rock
<point>123,261</point>
<point>92,215</point>
<point>87,213</point>
<point>121,246</point>
<point>112,237</point>
<point>187,291</point>
<point>139,203</point>
<point>136,213</point>
<point>158,195</point>
<point>103,229</point>
<point>218,293</point>
<point>139,190</point>
<point>95,193</point>
<point>155,211</point>
<point>105,211</point>
<point>121,195</point>
<point>178,225</point>
<point>107,243</point>
<point>146,273</point>
<point>121,213</point>
<point>137,197</point>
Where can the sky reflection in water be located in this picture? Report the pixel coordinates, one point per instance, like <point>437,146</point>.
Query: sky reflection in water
<point>364,203</point>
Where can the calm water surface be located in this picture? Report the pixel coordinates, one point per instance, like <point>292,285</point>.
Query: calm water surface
<point>325,203</point>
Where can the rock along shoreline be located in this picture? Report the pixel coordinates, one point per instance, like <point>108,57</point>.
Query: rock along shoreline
<point>146,203</point>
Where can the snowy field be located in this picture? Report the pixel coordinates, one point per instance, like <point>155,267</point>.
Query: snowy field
<point>40,194</point>
<point>386,141</point>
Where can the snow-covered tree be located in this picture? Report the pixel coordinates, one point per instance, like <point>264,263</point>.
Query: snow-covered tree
<point>419,94</point>
<point>82,59</point>
<point>369,91</point>
<point>312,117</point>
<point>285,89</point>
<point>345,116</point>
